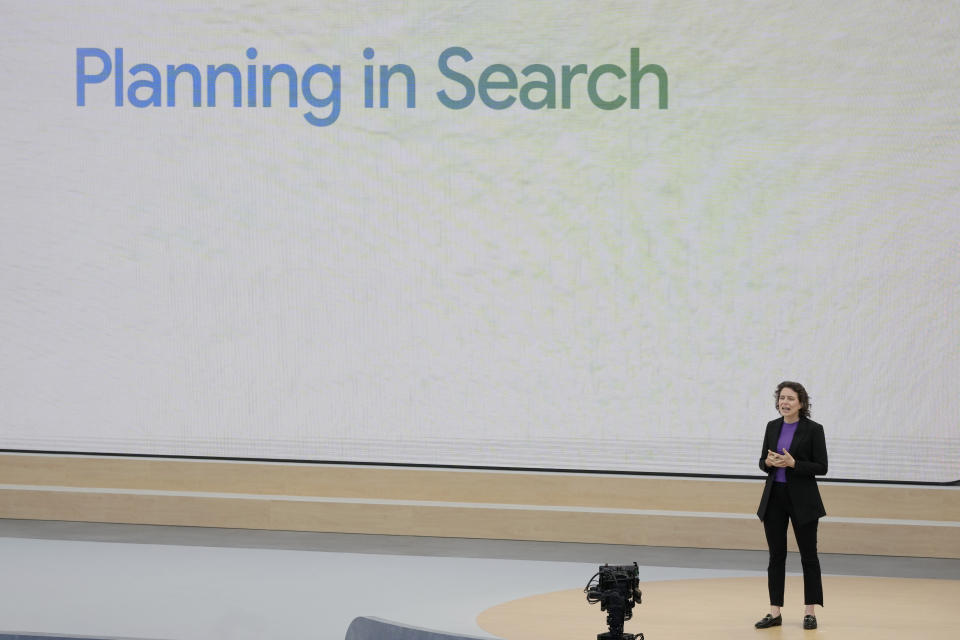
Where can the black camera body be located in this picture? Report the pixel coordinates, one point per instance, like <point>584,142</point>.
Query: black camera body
<point>617,589</point>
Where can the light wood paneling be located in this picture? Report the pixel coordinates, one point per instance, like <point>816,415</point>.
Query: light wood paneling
<point>529,506</point>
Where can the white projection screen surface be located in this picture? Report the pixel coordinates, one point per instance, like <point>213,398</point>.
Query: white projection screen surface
<point>493,262</point>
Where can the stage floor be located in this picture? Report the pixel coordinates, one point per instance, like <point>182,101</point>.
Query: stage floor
<point>717,608</point>
<point>181,583</point>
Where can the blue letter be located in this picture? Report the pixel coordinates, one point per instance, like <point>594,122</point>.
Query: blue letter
<point>213,73</point>
<point>332,99</point>
<point>153,84</point>
<point>251,78</point>
<point>172,73</point>
<point>83,78</point>
<point>386,73</point>
<point>268,73</point>
<point>368,79</point>
<point>446,100</point>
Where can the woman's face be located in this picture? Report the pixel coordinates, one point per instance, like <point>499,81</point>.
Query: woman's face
<point>789,403</point>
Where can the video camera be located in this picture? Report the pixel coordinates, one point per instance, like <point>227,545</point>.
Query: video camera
<point>617,589</point>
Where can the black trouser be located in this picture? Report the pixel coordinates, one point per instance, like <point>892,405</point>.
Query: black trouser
<point>779,509</point>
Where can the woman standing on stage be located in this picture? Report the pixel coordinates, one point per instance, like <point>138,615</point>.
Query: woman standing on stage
<point>794,452</point>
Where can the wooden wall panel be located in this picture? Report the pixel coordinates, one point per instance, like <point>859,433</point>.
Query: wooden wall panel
<point>658,511</point>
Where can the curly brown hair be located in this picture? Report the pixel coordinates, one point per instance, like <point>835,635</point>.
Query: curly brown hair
<point>802,395</point>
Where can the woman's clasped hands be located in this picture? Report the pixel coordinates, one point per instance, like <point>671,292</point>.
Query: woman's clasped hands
<point>775,459</point>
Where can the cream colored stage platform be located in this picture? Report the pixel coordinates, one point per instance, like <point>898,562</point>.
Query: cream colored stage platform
<point>720,609</point>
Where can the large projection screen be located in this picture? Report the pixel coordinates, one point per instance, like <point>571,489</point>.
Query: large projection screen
<point>492,261</point>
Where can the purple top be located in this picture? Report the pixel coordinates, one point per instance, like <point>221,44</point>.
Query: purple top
<point>786,439</point>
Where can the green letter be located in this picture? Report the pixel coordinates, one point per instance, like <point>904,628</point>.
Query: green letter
<point>484,84</point>
<point>549,85</point>
<point>568,72</point>
<point>636,74</point>
<point>592,87</point>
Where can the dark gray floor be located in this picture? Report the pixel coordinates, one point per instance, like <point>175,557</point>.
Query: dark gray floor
<point>832,563</point>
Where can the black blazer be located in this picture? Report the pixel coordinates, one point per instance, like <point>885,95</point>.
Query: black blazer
<point>809,450</point>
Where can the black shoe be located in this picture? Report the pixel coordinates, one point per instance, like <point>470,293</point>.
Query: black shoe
<point>809,622</point>
<point>769,621</point>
